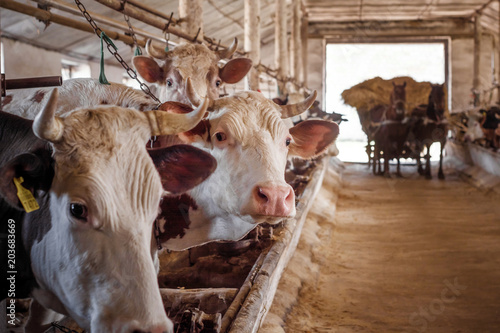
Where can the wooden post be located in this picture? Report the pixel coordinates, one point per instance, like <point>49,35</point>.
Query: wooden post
<point>477,58</point>
<point>296,47</point>
<point>498,59</point>
<point>191,16</point>
<point>252,41</point>
<point>303,37</point>
<point>280,43</point>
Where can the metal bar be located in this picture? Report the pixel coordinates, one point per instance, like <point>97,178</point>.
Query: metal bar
<point>100,19</point>
<point>152,11</point>
<point>45,15</point>
<point>33,82</point>
<point>147,18</point>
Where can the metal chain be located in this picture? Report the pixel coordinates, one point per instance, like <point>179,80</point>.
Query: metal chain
<point>114,51</point>
<point>130,28</point>
<point>64,328</point>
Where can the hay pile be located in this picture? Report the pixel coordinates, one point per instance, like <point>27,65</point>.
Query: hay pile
<point>369,93</point>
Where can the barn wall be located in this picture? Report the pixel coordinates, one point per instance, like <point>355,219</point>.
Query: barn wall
<point>113,73</point>
<point>23,60</point>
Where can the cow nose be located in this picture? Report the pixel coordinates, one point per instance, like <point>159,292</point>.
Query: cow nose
<point>273,200</point>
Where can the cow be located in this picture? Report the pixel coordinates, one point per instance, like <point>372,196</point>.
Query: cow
<point>246,134</point>
<point>490,125</point>
<point>316,112</point>
<point>88,251</point>
<point>186,68</point>
<point>474,132</point>
<point>195,61</point>
<point>76,93</point>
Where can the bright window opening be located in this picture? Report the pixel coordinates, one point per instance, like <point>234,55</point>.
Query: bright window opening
<point>350,64</point>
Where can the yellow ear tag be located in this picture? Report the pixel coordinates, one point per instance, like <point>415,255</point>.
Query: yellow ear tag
<point>25,196</point>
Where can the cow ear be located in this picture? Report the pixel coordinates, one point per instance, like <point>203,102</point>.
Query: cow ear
<point>182,167</point>
<point>235,70</point>
<point>312,137</point>
<point>197,134</point>
<point>36,170</point>
<point>148,68</point>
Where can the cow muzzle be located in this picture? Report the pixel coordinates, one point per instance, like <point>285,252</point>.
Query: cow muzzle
<point>273,200</point>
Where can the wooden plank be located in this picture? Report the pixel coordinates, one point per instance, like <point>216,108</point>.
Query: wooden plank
<point>261,295</point>
<point>448,27</point>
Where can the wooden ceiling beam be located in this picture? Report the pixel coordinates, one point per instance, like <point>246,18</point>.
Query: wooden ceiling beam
<point>374,29</point>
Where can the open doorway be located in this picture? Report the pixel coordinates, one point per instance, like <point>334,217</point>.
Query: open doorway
<point>348,64</point>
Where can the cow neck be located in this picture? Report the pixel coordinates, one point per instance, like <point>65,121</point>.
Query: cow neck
<point>25,279</point>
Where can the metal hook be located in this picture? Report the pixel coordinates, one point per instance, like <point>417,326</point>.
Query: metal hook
<point>196,37</point>
<point>169,21</point>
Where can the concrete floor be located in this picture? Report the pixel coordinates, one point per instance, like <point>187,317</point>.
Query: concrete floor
<point>397,255</point>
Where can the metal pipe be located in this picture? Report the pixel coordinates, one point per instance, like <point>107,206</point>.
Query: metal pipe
<point>100,19</point>
<point>33,82</point>
<point>152,11</point>
<point>45,15</point>
<point>147,18</point>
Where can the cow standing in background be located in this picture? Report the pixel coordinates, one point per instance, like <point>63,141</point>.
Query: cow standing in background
<point>83,252</point>
<point>490,125</point>
<point>247,135</point>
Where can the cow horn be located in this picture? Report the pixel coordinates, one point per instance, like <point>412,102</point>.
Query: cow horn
<point>226,54</point>
<point>166,123</point>
<point>191,94</point>
<point>153,52</point>
<point>291,110</point>
<point>46,125</point>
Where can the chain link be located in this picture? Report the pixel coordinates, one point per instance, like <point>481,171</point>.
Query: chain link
<point>114,51</point>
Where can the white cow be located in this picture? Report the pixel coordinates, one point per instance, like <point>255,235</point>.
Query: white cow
<point>87,252</point>
<point>195,61</point>
<point>247,135</point>
<point>76,93</point>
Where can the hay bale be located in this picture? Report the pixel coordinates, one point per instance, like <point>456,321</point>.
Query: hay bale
<point>372,92</point>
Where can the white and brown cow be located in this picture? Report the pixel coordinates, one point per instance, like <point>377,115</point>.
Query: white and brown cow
<point>88,251</point>
<point>247,135</point>
<point>195,61</point>
<point>76,93</point>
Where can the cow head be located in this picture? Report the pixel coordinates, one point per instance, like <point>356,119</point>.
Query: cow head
<point>247,135</point>
<point>90,243</point>
<point>196,61</point>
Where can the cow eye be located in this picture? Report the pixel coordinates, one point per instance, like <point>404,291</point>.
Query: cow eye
<point>218,83</point>
<point>78,211</point>
<point>288,141</point>
<point>220,136</point>
<point>169,83</point>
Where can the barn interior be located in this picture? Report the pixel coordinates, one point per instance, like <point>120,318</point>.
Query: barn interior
<point>401,252</point>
